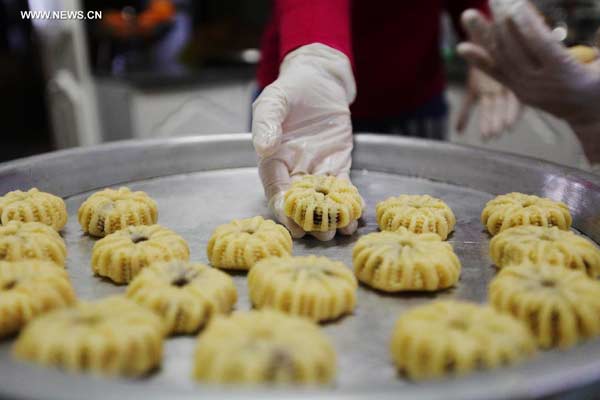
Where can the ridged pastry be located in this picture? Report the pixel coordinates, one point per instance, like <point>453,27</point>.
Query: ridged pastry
<point>110,210</point>
<point>241,243</point>
<point>31,241</point>
<point>264,347</point>
<point>186,295</point>
<point>418,214</point>
<point>543,245</point>
<point>402,260</point>
<point>455,338</point>
<point>560,306</point>
<point>314,287</point>
<point>321,203</point>
<point>113,336</point>
<point>121,255</point>
<point>28,289</point>
<point>33,206</point>
<point>516,209</point>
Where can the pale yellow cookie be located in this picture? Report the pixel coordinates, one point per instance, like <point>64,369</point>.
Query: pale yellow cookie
<point>516,209</point>
<point>314,287</point>
<point>121,255</point>
<point>402,260</point>
<point>113,336</point>
<point>560,306</point>
<point>321,203</point>
<point>543,245</point>
<point>33,206</point>
<point>31,241</point>
<point>110,210</point>
<point>418,214</point>
<point>186,295</point>
<point>28,289</point>
<point>242,242</point>
<point>454,338</point>
<point>264,347</point>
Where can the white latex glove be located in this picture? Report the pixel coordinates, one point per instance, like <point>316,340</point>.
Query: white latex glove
<point>499,108</point>
<point>301,125</point>
<point>518,50</point>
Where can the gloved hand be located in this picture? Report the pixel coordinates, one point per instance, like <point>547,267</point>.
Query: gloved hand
<point>518,50</point>
<point>499,108</point>
<point>301,125</point>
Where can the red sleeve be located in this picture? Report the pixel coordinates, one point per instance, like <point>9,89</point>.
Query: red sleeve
<point>456,7</point>
<point>303,22</point>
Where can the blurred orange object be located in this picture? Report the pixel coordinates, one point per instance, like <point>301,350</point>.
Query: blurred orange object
<point>162,9</point>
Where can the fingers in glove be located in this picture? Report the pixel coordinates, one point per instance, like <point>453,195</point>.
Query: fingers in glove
<point>276,205</point>
<point>512,111</point>
<point>525,36</point>
<point>274,175</point>
<point>480,58</point>
<point>478,28</point>
<point>323,236</point>
<point>486,107</point>
<point>268,113</point>
<point>349,229</point>
<point>469,100</point>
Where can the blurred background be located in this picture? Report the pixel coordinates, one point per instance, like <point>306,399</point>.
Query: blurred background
<point>160,68</point>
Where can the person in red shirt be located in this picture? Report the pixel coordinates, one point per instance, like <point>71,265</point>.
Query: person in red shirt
<point>330,65</point>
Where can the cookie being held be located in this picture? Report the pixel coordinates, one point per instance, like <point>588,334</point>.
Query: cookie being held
<point>321,203</point>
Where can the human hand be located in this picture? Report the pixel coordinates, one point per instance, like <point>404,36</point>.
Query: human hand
<point>301,125</point>
<point>518,50</point>
<point>499,108</point>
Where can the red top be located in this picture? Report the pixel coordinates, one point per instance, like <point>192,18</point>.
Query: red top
<point>394,46</point>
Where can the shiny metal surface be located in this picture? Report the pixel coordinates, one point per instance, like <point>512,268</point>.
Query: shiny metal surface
<point>202,182</point>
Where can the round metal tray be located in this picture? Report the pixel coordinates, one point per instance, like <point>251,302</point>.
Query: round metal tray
<point>202,182</point>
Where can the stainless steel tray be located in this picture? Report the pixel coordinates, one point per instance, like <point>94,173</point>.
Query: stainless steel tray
<point>202,182</point>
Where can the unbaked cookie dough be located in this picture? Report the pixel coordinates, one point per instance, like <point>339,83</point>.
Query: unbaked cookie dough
<point>29,289</point>
<point>314,287</point>
<point>186,295</point>
<point>264,346</point>
<point>560,306</point>
<point>113,336</point>
<point>21,241</point>
<point>321,203</point>
<point>33,206</point>
<point>121,255</point>
<point>110,210</point>
<point>542,245</point>
<point>454,338</point>
<point>516,209</point>
<point>402,261</point>
<point>242,242</point>
<point>417,213</point>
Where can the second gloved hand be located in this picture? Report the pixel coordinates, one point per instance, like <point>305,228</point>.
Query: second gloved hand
<point>518,50</point>
<point>301,125</point>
